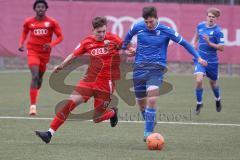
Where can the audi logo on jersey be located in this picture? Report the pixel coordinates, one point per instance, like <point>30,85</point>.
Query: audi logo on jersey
<point>39,32</point>
<point>99,51</point>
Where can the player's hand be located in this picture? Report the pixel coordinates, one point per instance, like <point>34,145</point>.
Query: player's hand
<point>206,38</point>
<point>46,47</point>
<point>202,61</point>
<point>127,52</point>
<point>57,68</point>
<point>21,48</point>
<point>130,51</point>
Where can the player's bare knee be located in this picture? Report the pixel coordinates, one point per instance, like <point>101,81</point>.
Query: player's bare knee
<point>153,91</point>
<point>76,98</point>
<point>199,82</point>
<point>152,101</point>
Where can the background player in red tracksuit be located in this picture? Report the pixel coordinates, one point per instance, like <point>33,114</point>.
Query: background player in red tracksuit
<point>103,49</point>
<point>41,28</point>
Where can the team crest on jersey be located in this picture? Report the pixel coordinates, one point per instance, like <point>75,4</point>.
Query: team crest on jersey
<point>47,24</point>
<point>158,32</point>
<point>106,42</point>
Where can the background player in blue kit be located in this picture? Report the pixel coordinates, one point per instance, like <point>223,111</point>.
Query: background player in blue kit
<point>150,61</point>
<point>208,40</point>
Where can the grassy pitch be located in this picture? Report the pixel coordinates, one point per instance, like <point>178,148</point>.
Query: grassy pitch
<point>209,136</point>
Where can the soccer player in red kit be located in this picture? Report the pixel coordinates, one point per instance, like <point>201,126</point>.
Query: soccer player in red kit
<point>41,28</point>
<point>103,48</point>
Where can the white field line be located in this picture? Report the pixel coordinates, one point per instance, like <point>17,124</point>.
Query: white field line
<point>176,123</point>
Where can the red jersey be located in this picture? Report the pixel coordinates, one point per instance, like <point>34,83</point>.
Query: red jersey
<point>104,56</point>
<point>41,32</point>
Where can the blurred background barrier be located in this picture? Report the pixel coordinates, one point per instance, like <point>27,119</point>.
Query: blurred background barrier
<point>75,17</point>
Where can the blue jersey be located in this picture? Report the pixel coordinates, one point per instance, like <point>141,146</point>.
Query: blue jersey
<point>215,36</point>
<point>152,44</point>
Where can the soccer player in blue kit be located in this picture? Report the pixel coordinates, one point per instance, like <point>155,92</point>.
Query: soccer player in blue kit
<point>150,61</point>
<point>208,40</point>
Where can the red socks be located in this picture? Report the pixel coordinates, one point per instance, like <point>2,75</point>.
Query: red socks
<point>64,112</point>
<point>33,95</point>
<point>105,116</point>
<point>62,115</point>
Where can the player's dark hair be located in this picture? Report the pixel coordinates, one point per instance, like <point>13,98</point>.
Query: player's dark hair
<point>215,11</point>
<point>149,11</point>
<point>40,1</point>
<point>99,22</point>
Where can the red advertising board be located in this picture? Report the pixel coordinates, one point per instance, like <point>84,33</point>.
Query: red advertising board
<point>75,21</point>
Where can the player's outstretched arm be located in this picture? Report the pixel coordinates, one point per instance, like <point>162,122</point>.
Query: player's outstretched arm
<point>129,36</point>
<point>66,62</point>
<point>193,52</point>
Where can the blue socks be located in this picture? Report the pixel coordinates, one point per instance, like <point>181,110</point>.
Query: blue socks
<point>199,93</point>
<point>150,116</point>
<point>216,92</point>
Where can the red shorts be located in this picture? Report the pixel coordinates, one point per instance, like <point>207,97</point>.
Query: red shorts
<point>38,59</point>
<point>101,90</point>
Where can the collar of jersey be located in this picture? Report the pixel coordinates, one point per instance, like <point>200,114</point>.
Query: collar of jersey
<point>210,27</point>
<point>156,26</point>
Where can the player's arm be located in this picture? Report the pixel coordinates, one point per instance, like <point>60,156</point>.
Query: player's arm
<point>127,40</point>
<point>79,50</point>
<point>195,40</point>
<point>23,37</point>
<point>218,46</point>
<point>58,32</point>
<point>66,62</point>
<point>176,37</point>
<point>192,51</point>
<point>131,50</point>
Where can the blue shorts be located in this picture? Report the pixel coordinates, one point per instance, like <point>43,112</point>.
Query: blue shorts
<point>143,79</point>
<point>211,70</point>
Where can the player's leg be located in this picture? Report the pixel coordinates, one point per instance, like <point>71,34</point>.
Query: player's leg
<point>42,69</point>
<point>212,74</point>
<point>153,85</point>
<point>61,116</point>
<point>200,71</point>
<point>44,59</point>
<point>81,94</point>
<point>37,65</point>
<point>102,111</point>
<point>142,103</point>
<point>33,63</point>
<point>102,99</point>
<point>140,94</point>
